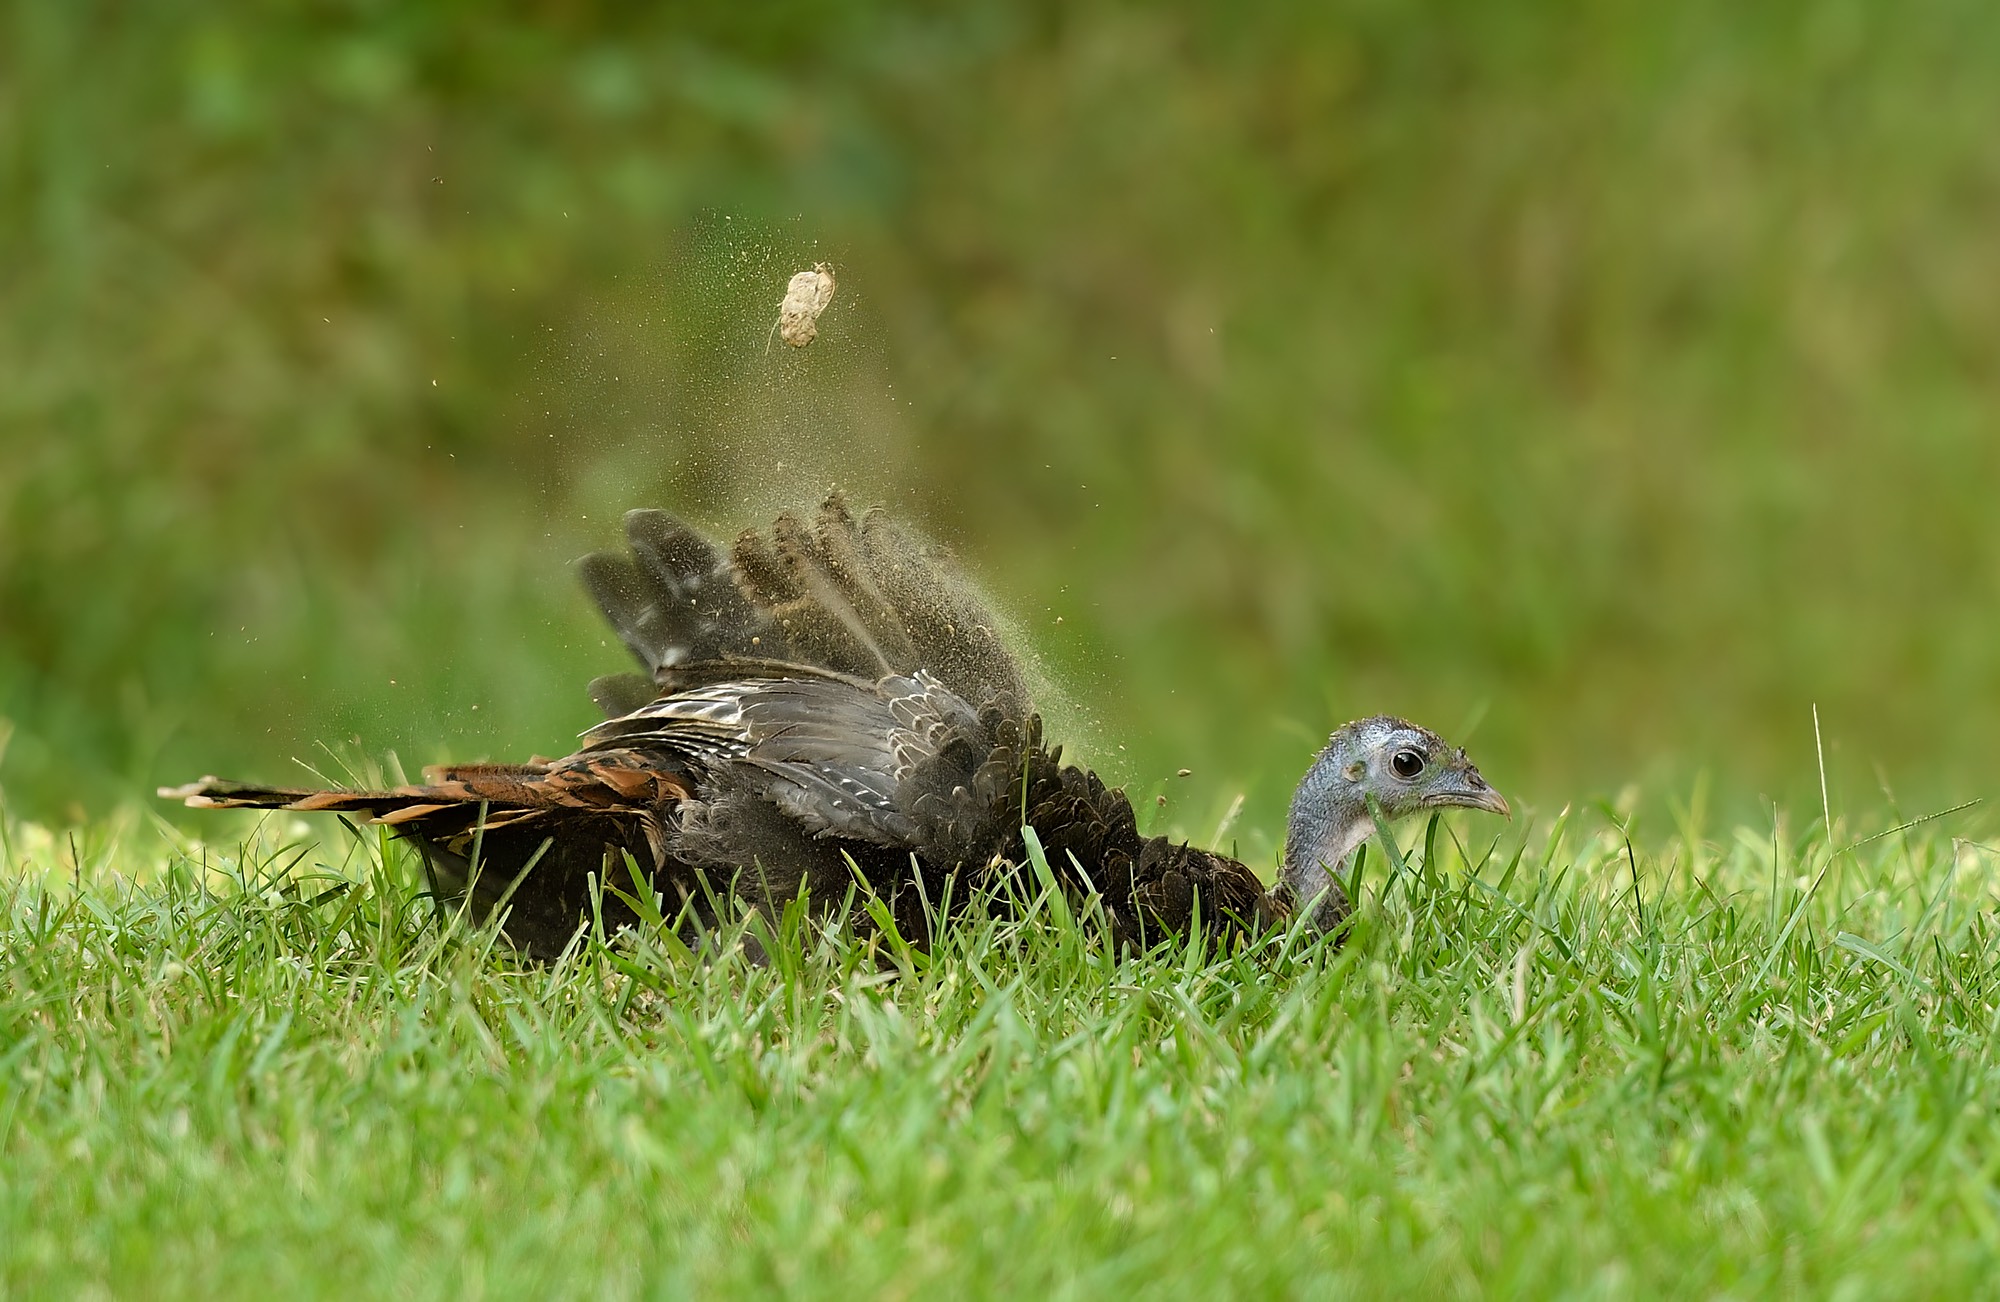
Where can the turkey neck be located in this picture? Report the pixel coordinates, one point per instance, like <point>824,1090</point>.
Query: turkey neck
<point>1329,820</point>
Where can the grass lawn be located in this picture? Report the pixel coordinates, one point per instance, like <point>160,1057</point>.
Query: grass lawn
<point>1760,1062</point>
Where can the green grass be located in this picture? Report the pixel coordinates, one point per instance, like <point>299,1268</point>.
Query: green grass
<point>1711,1065</point>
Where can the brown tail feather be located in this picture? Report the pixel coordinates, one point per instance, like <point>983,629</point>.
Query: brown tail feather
<point>483,828</point>
<point>216,793</point>
<point>607,780</point>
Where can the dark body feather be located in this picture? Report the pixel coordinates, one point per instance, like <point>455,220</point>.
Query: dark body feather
<point>822,701</point>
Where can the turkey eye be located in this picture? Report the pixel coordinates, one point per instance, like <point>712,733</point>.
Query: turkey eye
<point>1406,763</point>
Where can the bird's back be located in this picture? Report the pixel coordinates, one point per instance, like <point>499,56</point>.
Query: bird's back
<point>944,758</point>
<point>864,598</point>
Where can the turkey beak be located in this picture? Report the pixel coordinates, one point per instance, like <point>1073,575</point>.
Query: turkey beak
<point>1470,791</point>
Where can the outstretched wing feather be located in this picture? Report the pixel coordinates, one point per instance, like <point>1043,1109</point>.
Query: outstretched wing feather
<point>839,752</point>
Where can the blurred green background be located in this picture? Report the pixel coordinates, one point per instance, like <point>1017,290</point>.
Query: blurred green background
<point>1616,381</point>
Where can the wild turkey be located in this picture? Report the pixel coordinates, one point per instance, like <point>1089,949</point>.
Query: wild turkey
<point>829,699</point>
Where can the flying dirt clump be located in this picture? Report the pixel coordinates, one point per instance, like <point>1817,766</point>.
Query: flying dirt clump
<point>805,298</point>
